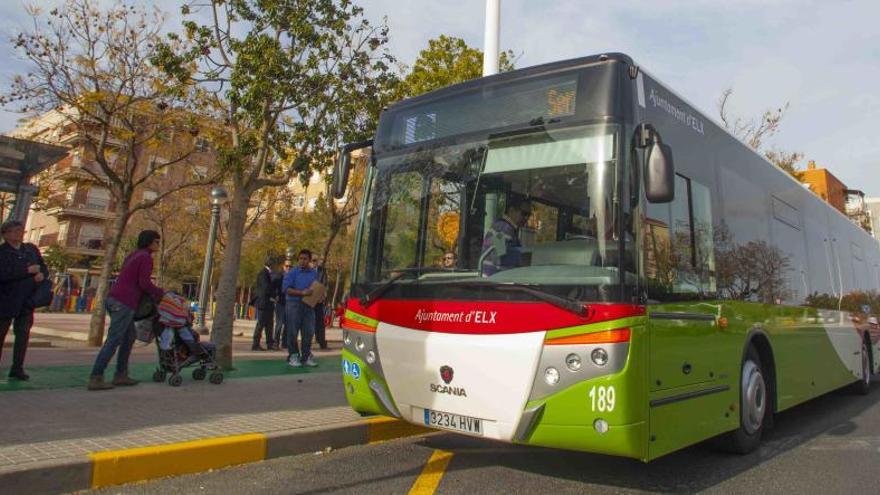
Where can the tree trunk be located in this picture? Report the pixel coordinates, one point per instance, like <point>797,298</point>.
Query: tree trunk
<point>160,274</point>
<point>96,323</point>
<point>221,330</point>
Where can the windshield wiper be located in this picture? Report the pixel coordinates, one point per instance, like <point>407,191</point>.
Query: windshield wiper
<point>571,305</point>
<point>376,293</point>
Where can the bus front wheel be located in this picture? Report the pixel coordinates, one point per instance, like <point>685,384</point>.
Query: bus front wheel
<point>753,402</point>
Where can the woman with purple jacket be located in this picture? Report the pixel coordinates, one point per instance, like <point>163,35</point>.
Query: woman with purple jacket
<point>122,302</point>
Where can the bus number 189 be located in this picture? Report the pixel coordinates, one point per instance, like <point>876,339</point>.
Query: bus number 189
<point>602,398</point>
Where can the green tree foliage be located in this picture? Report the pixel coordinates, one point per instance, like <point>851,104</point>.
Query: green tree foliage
<point>291,79</point>
<point>59,259</point>
<point>851,302</point>
<point>448,60</point>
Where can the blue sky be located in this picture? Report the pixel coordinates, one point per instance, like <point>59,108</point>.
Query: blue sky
<point>822,57</point>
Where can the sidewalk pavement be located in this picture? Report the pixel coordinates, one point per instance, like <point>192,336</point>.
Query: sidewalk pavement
<point>59,437</point>
<point>75,326</point>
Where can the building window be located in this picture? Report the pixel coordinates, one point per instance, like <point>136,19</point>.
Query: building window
<point>312,203</point>
<point>91,236</point>
<point>149,195</point>
<point>200,172</point>
<point>62,232</point>
<point>299,200</point>
<point>98,198</point>
<point>202,145</point>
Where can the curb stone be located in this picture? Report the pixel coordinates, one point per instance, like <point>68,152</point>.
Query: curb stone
<point>108,468</point>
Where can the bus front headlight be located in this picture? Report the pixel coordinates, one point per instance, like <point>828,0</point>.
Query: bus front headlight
<point>573,362</point>
<point>599,356</point>
<point>551,376</point>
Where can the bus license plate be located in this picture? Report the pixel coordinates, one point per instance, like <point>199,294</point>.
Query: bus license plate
<point>447,421</point>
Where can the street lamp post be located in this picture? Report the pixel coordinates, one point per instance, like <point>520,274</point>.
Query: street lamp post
<point>218,197</point>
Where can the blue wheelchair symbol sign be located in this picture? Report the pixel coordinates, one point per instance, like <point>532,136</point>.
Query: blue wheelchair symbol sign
<point>355,371</point>
<point>346,366</point>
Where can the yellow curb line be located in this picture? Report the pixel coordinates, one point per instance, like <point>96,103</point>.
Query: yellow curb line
<point>115,467</point>
<point>383,428</point>
<point>432,473</point>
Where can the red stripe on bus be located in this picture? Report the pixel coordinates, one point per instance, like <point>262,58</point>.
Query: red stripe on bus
<point>487,317</point>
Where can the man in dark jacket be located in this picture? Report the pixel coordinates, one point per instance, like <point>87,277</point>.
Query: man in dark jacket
<point>131,285</point>
<point>264,303</point>
<point>21,269</point>
<point>280,333</point>
<point>320,331</point>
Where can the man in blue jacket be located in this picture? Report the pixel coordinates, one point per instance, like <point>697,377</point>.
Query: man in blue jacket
<point>300,316</point>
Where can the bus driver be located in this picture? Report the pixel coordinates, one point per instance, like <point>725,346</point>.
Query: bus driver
<point>502,248</point>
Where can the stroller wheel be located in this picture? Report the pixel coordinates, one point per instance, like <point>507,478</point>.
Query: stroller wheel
<point>175,380</point>
<point>158,376</point>
<point>199,374</point>
<point>216,378</point>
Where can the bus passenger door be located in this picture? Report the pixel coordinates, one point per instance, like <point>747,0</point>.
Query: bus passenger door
<point>691,351</point>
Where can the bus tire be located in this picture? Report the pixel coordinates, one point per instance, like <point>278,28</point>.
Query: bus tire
<point>754,402</point>
<point>863,386</point>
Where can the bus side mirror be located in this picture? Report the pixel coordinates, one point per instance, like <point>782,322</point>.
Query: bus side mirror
<point>343,166</point>
<point>659,173</point>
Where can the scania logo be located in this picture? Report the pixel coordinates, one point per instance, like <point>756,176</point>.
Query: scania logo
<point>446,373</point>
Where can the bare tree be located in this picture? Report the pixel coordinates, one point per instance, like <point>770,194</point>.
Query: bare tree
<point>92,65</point>
<point>756,131</point>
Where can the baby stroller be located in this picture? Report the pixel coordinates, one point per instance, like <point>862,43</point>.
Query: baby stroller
<point>178,345</point>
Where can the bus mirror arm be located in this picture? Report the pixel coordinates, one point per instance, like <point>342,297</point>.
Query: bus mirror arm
<point>343,166</point>
<point>659,168</point>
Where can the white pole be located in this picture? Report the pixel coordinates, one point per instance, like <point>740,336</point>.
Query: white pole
<point>490,40</point>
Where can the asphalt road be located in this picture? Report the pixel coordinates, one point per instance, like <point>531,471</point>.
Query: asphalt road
<point>829,445</point>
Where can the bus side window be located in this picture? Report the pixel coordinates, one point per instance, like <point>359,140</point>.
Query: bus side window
<point>679,245</point>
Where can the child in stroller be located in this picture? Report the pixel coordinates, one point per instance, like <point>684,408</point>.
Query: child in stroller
<point>178,345</point>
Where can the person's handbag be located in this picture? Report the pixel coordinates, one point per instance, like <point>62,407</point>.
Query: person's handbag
<point>146,308</point>
<point>42,295</point>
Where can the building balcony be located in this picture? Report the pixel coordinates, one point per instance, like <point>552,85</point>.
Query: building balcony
<point>85,246</point>
<point>89,209</point>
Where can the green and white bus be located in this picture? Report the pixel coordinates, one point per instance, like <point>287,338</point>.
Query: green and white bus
<point>572,256</point>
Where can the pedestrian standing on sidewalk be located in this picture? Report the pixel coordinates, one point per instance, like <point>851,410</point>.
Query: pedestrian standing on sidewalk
<point>264,305</point>
<point>300,316</point>
<point>280,334</point>
<point>21,269</point>
<point>320,330</point>
<point>131,285</point>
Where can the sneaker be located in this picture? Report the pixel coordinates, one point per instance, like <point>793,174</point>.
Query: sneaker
<point>310,362</point>
<point>294,361</point>
<point>19,375</point>
<point>124,381</point>
<point>257,348</point>
<point>98,383</point>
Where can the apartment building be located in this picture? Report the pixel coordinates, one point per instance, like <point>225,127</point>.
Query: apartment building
<point>73,209</point>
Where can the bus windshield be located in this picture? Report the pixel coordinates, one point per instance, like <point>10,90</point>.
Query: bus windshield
<point>535,208</point>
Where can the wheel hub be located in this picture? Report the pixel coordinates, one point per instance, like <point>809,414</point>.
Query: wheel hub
<point>754,399</point>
